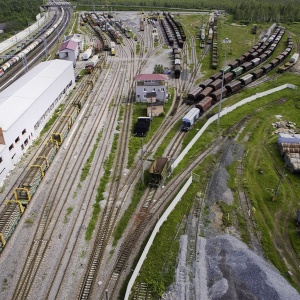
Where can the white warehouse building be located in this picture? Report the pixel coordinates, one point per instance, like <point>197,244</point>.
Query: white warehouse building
<point>26,106</point>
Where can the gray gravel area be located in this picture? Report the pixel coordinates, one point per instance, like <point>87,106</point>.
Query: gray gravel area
<point>218,189</point>
<point>227,269</point>
<point>235,272</point>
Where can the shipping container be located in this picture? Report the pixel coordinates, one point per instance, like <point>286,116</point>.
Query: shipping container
<point>246,79</point>
<point>233,86</point>
<point>205,83</point>
<point>205,104</point>
<point>237,71</point>
<point>190,118</point>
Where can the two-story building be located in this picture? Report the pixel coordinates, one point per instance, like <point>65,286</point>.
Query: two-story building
<point>148,83</point>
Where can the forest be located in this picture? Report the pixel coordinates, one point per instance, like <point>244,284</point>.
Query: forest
<point>244,11</point>
<point>17,14</point>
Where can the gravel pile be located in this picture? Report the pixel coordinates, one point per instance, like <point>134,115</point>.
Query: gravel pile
<point>218,190</point>
<point>225,268</point>
<point>235,272</point>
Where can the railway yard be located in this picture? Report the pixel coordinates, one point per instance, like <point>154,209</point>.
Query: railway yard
<point>79,232</point>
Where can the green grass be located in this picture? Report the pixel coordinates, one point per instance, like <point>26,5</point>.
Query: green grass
<point>48,125</point>
<point>69,211</point>
<point>264,208</point>
<point>140,110</point>
<point>158,269</point>
<point>137,194</point>
<point>101,189</point>
<point>138,48</point>
<point>86,169</point>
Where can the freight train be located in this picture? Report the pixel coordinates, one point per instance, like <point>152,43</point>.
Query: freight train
<point>179,34</point>
<point>177,65</point>
<point>231,73</point>
<point>23,194</point>
<point>32,46</point>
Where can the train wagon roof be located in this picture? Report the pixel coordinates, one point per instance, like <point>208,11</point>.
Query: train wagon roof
<point>158,165</point>
<point>21,94</point>
<point>190,115</point>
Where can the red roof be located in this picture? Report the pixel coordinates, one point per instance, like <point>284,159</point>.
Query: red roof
<point>151,77</point>
<point>69,45</point>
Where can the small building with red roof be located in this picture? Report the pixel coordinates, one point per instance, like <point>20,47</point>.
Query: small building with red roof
<point>151,83</point>
<point>69,50</point>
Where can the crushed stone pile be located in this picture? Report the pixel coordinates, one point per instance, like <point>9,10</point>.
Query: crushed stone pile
<point>225,268</point>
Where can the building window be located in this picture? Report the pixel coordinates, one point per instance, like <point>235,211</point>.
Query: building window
<point>1,160</point>
<point>11,147</point>
<point>162,89</point>
<point>153,89</point>
<point>24,131</point>
<point>22,147</point>
<point>145,90</point>
<point>2,171</point>
<point>26,142</point>
<point>17,140</point>
<point>13,156</point>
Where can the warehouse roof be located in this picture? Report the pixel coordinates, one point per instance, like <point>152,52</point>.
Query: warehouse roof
<point>68,45</point>
<point>21,94</point>
<point>151,77</point>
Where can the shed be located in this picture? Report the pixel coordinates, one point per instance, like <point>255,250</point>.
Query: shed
<point>69,50</point>
<point>155,109</point>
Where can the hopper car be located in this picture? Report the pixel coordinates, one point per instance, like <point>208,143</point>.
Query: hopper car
<point>158,171</point>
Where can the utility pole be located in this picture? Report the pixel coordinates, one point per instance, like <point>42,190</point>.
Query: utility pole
<point>142,163</point>
<point>225,41</point>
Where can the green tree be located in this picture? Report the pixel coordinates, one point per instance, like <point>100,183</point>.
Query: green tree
<point>158,69</point>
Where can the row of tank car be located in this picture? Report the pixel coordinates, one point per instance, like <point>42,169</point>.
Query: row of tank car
<point>14,208</point>
<point>202,36</point>
<point>167,31</point>
<point>142,26</point>
<point>214,57</point>
<point>95,24</point>
<point>177,65</point>
<point>211,24</point>
<point>177,29</point>
<point>123,29</point>
<point>112,48</point>
<point>210,91</point>
<point>32,46</point>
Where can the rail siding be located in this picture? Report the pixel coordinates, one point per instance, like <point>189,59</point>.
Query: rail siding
<point>225,111</point>
<point>159,223</point>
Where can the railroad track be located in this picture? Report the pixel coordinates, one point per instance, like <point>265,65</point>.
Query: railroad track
<point>31,267</point>
<point>36,55</point>
<point>112,210</point>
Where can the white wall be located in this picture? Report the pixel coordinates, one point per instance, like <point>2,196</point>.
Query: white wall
<point>38,112</point>
<point>144,89</point>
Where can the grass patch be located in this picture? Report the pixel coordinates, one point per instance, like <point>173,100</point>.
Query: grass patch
<point>140,110</point>
<point>158,269</point>
<point>101,189</point>
<point>69,211</point>
<point>137,48</point>
<point>49,124</point>
<point>137,194</point>
<point>86,169</point>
